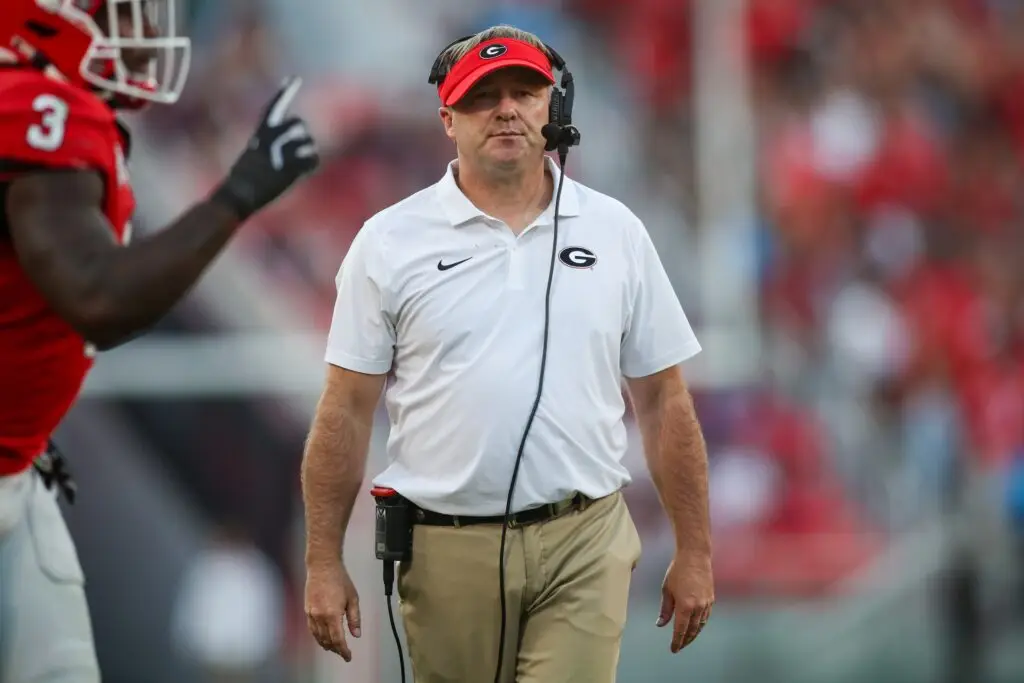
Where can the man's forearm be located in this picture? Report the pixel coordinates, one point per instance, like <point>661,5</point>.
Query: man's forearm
<point>677,458</point>
<point>333,467</point>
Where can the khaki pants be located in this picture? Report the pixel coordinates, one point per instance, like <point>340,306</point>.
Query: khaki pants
<point>567,588</point>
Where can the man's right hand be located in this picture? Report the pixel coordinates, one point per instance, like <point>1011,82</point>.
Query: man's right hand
<point>331,600</point>
<point>279,153</point>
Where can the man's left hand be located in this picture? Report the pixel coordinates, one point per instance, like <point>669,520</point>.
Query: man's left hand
<point>687,593</point>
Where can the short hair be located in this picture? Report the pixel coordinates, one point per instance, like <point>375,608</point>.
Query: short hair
<point>457,51</point>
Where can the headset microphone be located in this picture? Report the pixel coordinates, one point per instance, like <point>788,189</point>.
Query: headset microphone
<point>559,137</point>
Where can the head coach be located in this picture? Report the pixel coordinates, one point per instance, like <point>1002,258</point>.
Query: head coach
<point>502,307</point>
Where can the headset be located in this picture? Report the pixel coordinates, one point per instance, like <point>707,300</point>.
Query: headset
<point>560,135</point>
<point>559,132</point>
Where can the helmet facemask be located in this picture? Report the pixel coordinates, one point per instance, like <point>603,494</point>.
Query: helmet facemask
<point>134,26</point>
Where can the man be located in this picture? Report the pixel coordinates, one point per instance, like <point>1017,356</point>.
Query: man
<point>70,284</point>
<point>445,293</point>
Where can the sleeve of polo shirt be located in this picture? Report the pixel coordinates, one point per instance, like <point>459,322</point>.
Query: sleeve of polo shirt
<point>658,334</point>
<point>362,335</point>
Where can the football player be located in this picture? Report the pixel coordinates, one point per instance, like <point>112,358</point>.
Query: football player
<point>72,282</point>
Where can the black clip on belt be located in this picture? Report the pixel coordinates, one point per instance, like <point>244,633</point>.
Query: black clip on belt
<point>52,469</point>
<point>543,513</point>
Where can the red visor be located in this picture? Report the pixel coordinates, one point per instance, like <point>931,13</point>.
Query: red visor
<point>487,57</point>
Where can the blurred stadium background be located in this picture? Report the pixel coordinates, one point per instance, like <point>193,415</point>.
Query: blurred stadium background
<point>837,190</point>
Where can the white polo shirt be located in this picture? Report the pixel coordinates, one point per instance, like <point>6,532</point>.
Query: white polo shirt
<point>450,303</point>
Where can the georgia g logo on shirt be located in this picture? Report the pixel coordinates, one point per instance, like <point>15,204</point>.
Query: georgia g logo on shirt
<point>577,257</point>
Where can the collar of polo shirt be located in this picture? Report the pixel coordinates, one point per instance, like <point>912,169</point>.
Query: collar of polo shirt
<point>461,211</point>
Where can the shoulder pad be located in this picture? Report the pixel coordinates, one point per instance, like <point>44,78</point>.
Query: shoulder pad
<point>21,88</point>
<point>53,124</point>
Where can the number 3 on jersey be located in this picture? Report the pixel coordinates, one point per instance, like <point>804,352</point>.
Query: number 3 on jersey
<point>48,134</point>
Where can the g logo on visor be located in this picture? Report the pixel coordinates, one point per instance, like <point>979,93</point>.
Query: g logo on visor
<point>492,51</point>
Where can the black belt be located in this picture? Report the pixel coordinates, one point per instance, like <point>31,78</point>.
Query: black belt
<point>532,516</point>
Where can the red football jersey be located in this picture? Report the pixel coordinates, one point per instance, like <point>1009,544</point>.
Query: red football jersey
<point>43,361</point>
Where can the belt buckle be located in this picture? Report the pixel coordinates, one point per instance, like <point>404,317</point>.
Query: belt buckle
<point>513,522</point>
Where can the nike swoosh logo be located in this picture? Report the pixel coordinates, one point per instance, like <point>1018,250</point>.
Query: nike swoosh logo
<point>447,266</point>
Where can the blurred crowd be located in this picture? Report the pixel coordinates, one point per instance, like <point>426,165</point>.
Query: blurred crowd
<point>892,141</point>
<point>890,146</point>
